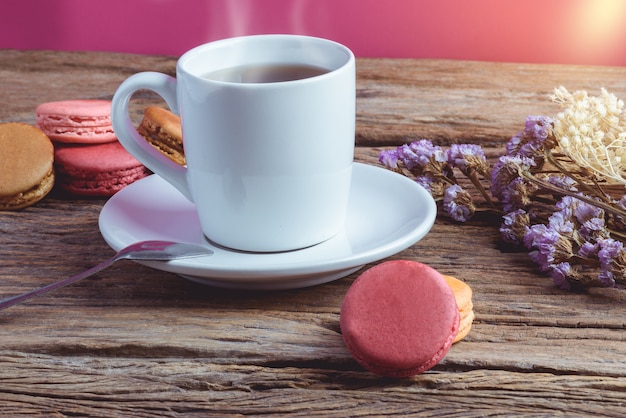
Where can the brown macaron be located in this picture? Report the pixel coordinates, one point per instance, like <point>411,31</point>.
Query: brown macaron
<point>26,165</point>
<point>162,129</point>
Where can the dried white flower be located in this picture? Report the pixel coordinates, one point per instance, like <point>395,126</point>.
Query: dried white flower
<point>591,130</point>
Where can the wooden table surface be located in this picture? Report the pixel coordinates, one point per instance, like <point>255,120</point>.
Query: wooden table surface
<point>134,341</point>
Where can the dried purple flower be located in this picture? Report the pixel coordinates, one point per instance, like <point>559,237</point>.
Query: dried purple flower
<point>561,274</point>
<point>422,156</point>
<point>588,249</point>
<point>506,170</point>
<point>594,228</point>
<point>531,140</point>
<point>389,158</point>
<point>468,157</point>
<point>610,249</point>
<point>584,211</point>
<point>561,223</point>
<point>562,182</point>
<point>514,226</point>
<point>457,202</point>
<point>589,219</point>
<point>551,246</point>
<point>606,278</point>
<point>426,182</point>
<point>435,187</point>
<point>517,195</point>
<point>567,205</point>
<point>410,158</point>
<point>515,144</point>
<point>612,261</point>
<point>538,127</point>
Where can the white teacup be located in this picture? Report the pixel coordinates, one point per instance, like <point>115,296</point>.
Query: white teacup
<point>269,159</point>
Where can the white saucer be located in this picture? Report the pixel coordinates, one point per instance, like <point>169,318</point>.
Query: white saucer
<point>387,213</point>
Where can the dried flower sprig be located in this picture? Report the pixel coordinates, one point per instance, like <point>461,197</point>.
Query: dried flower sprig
<point>433,168</point>
<point>559,187</point>
<point>591,132</point>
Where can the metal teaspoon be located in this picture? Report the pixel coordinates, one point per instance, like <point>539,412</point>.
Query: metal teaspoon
<point>144,250</point>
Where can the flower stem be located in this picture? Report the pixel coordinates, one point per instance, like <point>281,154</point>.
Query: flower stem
<point>471,174</point>
<point>551,187</point>
<point>550,157</point>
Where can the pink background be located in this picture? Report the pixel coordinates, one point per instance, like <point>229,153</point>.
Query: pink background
<point>553,31</point>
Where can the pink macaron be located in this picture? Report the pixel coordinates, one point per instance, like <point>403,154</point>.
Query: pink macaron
<point>96,170</point>
<point>399,318</point>
<point>76,121</point>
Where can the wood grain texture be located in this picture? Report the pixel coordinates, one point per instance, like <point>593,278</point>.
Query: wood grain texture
<point>133,341</point>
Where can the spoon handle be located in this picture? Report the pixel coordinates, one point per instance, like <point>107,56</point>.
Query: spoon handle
<point>14,300</point>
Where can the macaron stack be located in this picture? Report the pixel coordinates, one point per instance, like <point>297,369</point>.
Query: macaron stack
<point>401,317</point>
<point>88,159</point>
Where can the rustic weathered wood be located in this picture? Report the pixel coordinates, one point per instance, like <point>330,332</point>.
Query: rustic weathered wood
<point>133,341</point>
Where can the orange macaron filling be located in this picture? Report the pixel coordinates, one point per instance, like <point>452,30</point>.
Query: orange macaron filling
<point>463,296</point>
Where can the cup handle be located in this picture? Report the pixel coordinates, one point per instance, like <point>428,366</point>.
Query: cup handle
<point>164,86</point>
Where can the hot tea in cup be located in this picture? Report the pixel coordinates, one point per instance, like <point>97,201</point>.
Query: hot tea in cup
<point>269,73</point>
